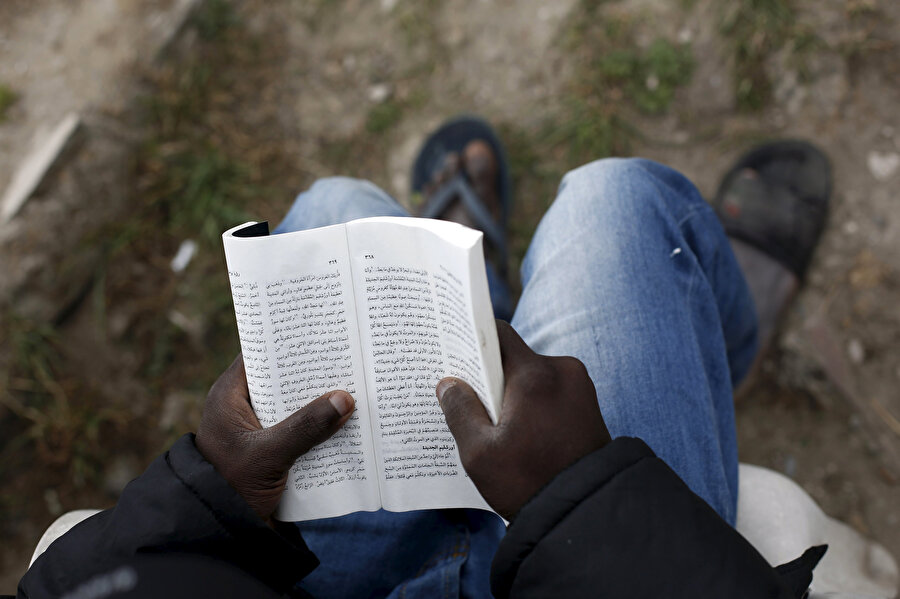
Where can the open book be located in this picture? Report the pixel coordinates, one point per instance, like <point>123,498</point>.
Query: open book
<point>382,308</point>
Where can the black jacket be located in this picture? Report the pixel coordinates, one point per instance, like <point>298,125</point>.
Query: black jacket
<point>618,523</point>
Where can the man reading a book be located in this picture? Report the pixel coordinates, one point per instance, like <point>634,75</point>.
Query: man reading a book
<point>613,455</point>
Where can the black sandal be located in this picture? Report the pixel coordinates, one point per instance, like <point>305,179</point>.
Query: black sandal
<point>775,198</point>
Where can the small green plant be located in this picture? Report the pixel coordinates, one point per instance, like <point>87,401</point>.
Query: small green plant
<point>755,28</point>
<point>205,192</point>
<point>649,78</point>
<point>618,65</point>
<point>586,132</point>
<point>382,117</point>
<point>614,72</point>
<point>664,68</point>
<point>7,98</point>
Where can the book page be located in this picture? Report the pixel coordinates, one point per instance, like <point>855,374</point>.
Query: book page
<point>293,298</point>
<point>414,300</point>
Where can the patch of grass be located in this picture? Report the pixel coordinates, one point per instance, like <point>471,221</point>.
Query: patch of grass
<point>649,78</point>
<point>613,71</point>
<point>192,183</point>
<point>586,132</point>
<point>7,98</point>
<point>200,191</point>
<point>60,419</point>
<point>755,29</point>
<point>213,18</point>
<point>666,67</point>
<point>856,8</point>
<point>588,33</point>
<point>180,101</point>
<point>382,117</point>
<point>613,77</point>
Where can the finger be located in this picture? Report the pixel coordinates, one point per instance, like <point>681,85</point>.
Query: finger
<point>465,414</point>
<point>229,398</point>
<point>231,383</point>
<point>513,350</point>
<point>307,427</point>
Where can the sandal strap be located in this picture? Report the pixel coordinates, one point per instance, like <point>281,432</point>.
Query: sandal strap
<point>458,188</point>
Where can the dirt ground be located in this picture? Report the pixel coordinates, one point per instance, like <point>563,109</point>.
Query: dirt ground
<point>255,100</point>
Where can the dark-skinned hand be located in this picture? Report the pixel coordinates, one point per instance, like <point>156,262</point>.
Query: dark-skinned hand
<point>549,420</point>
<point>255,460</point>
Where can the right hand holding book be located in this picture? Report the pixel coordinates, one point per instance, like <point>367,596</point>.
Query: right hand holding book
<point>549,420</point>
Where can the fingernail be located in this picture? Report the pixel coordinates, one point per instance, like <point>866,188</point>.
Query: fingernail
<point>443,386</point>
<point>342,402</point>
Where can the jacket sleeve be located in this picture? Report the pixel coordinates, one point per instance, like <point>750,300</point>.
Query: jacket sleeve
<point>180,504</point>
<point>620,523</point>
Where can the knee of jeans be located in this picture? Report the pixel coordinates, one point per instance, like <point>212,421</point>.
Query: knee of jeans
<point>338,190</point>
<point>613,188</point>
<point>605,188</point>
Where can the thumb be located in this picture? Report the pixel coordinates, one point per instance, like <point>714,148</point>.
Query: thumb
<point>312,424</point>
<point>464,412</point>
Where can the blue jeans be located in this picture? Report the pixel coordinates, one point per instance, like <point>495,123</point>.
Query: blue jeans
<point>630,272</point>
